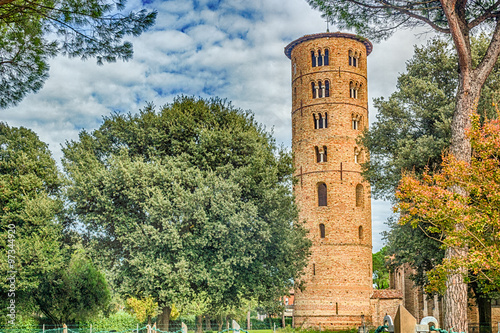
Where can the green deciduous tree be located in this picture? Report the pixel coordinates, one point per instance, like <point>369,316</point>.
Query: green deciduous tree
<point>32,32</point>
<point>456,19</point>
<point>29,185</point>
<point>192,200</point>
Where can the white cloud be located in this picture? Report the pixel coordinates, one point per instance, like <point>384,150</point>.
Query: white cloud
<point>231,49</point>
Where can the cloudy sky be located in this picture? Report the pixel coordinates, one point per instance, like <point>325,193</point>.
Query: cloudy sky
<point>227,48</point>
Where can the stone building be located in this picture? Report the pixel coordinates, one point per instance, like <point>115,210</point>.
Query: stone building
<point>329,111</point>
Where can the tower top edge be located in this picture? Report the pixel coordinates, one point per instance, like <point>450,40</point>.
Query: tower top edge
<point>365,41</point>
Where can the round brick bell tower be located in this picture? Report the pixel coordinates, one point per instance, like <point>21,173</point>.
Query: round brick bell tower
<point>329,111</point>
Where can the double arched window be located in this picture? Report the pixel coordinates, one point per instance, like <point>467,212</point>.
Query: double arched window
<point>322,194</point>
<point>320,120</point>
<point>356,121</point>
<point>358,155</point>
<point>321,154</point>
<point>320,58</point>
<point>320,89</point>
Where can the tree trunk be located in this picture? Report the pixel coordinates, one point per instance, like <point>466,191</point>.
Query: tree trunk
<point>249,323</point>
<point>199,324</point>
<point>164,318</point>
<point>220,322</point>
<point>208,325</point>
<point>455,298</point>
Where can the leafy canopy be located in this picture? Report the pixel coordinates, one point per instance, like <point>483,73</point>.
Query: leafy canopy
<point>194,199</point>
<point>32,32</point>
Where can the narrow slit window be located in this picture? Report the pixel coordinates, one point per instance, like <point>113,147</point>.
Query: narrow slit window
<point>322,194</point>
<point>326,61</point>
<point>360,232</point>
<point>359,195</point>
<point>325,156</point>
<point>327,88</point>
<point>314,269</point>
<point>326,120</point>
<point>320,89</point>
<point>322,230</point>
<point>313,59</point>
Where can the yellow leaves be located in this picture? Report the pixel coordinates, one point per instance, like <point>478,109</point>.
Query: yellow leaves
<point>143,309</point>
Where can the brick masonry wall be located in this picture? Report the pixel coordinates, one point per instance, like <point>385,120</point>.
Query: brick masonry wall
<point>339,276</point>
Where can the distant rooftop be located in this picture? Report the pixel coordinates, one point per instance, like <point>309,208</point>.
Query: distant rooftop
<point>289,47</point>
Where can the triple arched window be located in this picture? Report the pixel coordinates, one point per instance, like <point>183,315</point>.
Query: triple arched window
<point>320,58</point>
<point>354,58</point>
<point>321,154</point>
<point>322,194</point>
<point>320,89</point>
<point>320,120</point>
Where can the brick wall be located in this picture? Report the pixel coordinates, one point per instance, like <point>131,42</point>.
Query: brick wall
<point>339,276</point>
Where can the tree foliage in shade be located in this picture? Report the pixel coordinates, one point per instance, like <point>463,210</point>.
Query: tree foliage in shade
<point>194,199</point>
<point>74,293</point>
<point>32,32</point>
<point>431,200</point>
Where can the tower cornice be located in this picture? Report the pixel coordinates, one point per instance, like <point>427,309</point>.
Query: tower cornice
<point>366,42</point>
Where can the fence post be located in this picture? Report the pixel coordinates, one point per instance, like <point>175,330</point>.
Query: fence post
<point>43,328</point>
<point>90,328</point>
<point>137,327</point>
<point>65,328</point>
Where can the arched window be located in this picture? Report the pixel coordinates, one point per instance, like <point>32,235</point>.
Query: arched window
<point>321,90</point>
<point>318,157</point>
<point>320,153</point>
<point>313,59</point>
<point>356,154</point>
<point>360,232</point>
<point>359,195</point>
<point>326,60</point>
<point>322,194</point>
<point>351,57</point>
<point>356,121</point>
<point>353,90</point>
<point>313,87</point>
<point>326,120</point>
<point>320,58</point>
<point>320,121</point>
<point>327,88</point>
<point>322,230</point>
<point>316,121</point>
<point>325,156</point>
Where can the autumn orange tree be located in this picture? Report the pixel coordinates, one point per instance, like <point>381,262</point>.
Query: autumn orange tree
<point>432,199</point>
